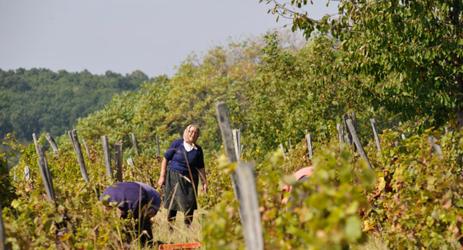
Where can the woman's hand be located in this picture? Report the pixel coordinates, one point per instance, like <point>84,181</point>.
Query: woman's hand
<point>162,178</point>
<point>205,188</point>
<point>161,182</point>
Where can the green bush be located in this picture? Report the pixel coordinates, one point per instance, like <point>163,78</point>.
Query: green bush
<point>329,216</point>
<point>417,202</point>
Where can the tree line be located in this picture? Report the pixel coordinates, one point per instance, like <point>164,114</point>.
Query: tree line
<point>39,100</point>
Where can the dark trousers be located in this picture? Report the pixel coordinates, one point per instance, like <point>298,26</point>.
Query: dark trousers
<point>188,216</point>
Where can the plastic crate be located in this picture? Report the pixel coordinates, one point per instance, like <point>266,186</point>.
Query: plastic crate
<point>180,246</point>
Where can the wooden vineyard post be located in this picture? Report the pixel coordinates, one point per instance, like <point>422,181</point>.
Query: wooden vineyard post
<point>2,230</point>
<point>356,140</point>
<point>15,177</point>
<point>437,149</point>
<point>79,155</point>
<point>341,135</point>
<point>283,151</point>
<point>134,142</point>
<point>308,137</point>
<point>243,184</point>
<point>237,143</point>
<point>375,132</point>
<point>86,148</point>
<point>35,139</point>
<point>348,136</point>
<point>27,173</point>
<point>107,156</point>
<point>225,129</point>
<point>249,206</point>
<point>118,160</point>
<point>290,145</point>
<point>52,142</point>
<point>158,152</point>
<point>45,172</point>
<point>354,119</point>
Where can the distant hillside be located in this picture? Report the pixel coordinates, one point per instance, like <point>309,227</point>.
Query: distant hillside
<point>40,100</point>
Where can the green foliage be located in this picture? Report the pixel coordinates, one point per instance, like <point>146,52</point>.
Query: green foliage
<point>298,91</point>
<point>274,92</point>
<point>166,106</point>
<point>41,101</point>
<point>329,216</point>
<point>411,52</point>
<point>417,201</point>
<point>76,219</point>
<point>7,191</point>
<point>219,181</point>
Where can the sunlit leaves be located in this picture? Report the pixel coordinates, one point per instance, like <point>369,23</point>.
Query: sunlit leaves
<point>413,45</point>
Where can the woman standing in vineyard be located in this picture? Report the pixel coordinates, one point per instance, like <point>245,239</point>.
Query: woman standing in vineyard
<point>182,163</point>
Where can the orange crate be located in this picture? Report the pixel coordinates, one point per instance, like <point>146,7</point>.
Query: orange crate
<point>180,246</point>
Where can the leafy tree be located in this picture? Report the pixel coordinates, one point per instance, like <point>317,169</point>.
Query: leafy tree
<point>166,106</point>
<point>411,50</point>
<point>299,90</point>
<point>40,101</point>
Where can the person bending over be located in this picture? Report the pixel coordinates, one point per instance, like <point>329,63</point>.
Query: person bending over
<point>301,175</point>
<point>139,200</point>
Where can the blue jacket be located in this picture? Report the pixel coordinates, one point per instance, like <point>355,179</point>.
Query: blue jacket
<point>176,153</point>
<point>130,195</point>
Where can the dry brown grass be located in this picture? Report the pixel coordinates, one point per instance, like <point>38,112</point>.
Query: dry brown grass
<point>180,233</point>
<point>374,243</point>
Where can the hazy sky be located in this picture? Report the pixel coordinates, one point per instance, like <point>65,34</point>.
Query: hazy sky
<point>125,35</point>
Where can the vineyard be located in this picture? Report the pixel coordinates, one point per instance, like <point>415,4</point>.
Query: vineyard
<point>394,181</point>
<point>411,198</point>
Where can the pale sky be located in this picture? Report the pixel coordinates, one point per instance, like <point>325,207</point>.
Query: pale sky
<point>126,35</point>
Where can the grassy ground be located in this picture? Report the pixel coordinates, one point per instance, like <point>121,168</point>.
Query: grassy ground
<point>373,243</point>
<point>180,233</point>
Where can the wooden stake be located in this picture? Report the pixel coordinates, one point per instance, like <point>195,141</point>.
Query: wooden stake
<point>308,137</point>
<point>236,143</point>
<point>79,155</point>
<point>348,136</point>
<point>107,156</point>
<point>118,160</point>
<point>35,139</point>
<point>283,151</point>
<point>341,135</point>
<point>27,173</point>
<point>249,206</point>
<point>357,141</point>
<point>86,148</point>
<point>375,132</point>
<point>437,149</point>
<point>45,172</point>
<point>225,129</point>
<point>134,142</point>
<point>158,152</point>
<point>52,142</point>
